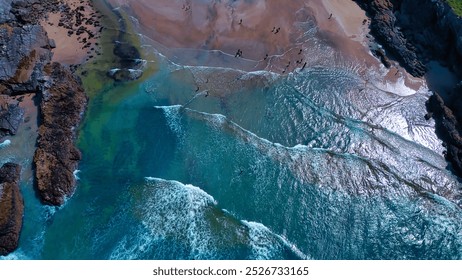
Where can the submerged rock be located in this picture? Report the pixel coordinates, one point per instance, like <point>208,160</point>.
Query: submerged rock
<point>130,62</point>
<point>125,74</point>
<point>11,208</point>
<point>63,102</point>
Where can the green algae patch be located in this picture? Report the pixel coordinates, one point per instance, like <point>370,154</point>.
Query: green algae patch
<point>106,132</point>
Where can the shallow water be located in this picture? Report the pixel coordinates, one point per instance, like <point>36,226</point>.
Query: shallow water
<point>253,165</point>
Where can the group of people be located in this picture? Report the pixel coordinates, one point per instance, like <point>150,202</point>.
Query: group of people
<point>275,30</point>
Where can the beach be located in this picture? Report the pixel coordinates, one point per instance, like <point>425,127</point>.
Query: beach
<point>262,35</point>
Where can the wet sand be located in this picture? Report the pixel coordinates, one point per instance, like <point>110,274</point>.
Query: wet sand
<point>271,35</point>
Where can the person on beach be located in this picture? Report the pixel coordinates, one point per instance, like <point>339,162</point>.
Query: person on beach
<point>330,16</point>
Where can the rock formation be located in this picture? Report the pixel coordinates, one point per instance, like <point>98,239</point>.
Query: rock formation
<point>386,30</point>
<point>130,62</point>
<point>10,116</point>
<point>63,102</point>
<point>11,208</point>
<point>25,57</point>
<point>129,57</point>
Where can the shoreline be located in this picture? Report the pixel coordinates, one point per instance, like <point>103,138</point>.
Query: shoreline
<point>212,37</point>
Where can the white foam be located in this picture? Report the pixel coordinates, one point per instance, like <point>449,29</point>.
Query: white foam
<point>173,117</point>
<point>179,210</point>
<point>76,174</point>
<point>263,245</point>
<point>398,88</point>
<point>16,255</point>
<point>113,71</point>
<point>5,143</point>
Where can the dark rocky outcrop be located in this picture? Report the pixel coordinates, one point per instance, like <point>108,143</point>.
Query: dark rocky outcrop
<point>11,208</point>
<point>11,116</point>
<point>31,11</point>
<point>386,30</point>
<point>414,32</point>
<point>5,14</point>
<point>24,50</point>
<point>129,58</point>
<point>25,57</point>
<point>62,105</point>
<point>25,67</point>
<point>449,129</point>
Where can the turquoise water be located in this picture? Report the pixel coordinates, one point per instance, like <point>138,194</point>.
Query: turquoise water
<point>253,165</point>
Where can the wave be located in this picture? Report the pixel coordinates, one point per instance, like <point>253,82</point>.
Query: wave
<point>190,221</point>
<point>16,255</point>
<point>305,160</point>
<point>260,236</point>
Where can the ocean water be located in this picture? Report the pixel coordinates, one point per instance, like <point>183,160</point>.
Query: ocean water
<point>254,165</point>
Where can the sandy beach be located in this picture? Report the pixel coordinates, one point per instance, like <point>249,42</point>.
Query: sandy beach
<point>247,35</point>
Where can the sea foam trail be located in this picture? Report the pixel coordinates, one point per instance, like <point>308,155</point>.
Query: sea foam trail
<point>309,189</point>
<point>300,159</point>
<point>259,235</point>
<point>190,218</point>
